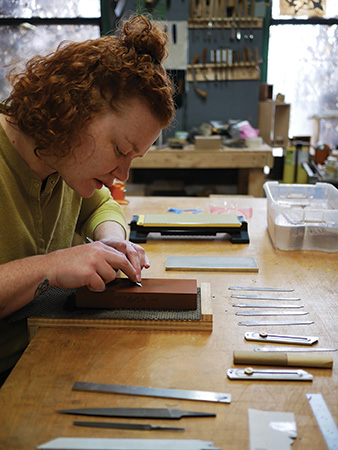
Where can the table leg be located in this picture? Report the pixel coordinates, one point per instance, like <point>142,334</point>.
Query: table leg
<point>250,181</point>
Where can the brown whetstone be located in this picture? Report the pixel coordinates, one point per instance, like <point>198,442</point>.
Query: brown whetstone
<point>171,294</point>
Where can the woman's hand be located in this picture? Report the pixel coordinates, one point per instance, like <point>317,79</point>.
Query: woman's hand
<point>96,264</point>
<point>135,253</point>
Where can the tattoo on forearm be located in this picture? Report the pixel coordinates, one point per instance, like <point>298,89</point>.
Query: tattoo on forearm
<point>41,288</point>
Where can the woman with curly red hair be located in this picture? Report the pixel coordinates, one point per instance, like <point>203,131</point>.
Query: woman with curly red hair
<point>73,123</point>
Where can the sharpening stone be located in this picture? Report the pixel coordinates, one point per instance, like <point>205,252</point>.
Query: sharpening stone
<point>155,293</point>
<point>230,264</point>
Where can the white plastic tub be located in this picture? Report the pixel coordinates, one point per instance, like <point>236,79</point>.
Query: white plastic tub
<point>302,216</point>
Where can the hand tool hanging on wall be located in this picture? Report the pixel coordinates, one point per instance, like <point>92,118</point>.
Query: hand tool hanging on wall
<point>201,93</point>
<point>252,15</point>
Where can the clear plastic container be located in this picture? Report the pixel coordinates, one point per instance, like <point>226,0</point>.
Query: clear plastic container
<point>302,216</point>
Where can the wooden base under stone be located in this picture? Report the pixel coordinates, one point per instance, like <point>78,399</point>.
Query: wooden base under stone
<point>171,324</point>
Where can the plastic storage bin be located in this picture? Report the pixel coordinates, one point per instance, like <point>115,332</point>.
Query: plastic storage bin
<point>302,216</point>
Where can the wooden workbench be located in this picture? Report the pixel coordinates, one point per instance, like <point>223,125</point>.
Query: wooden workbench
<point>250,163</point>
<point>41,383</point>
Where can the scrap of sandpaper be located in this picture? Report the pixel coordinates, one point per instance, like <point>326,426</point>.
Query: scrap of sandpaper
<point>271,430</point>
<point>245,212</point>
<point>179,211</point>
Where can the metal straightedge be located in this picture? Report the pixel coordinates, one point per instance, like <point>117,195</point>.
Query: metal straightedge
<point>270,348</point>
<point>154,392</point>
<point>77,443</point>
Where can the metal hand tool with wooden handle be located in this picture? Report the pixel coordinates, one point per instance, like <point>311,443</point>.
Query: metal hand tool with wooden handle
<point>203,94</point>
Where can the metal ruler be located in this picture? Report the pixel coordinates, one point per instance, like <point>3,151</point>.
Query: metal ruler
<point>324,419</point>
<point>77,443</point>
<point>270,348</point>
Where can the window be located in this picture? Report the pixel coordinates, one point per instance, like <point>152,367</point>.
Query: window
<point>303,66</point>
<point>36,27</point>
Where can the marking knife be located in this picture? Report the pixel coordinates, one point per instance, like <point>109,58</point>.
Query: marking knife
<point>280,338</point>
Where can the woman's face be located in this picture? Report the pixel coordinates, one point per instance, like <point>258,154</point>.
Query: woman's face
<point>107,147</point>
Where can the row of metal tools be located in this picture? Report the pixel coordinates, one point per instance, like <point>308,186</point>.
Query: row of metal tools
<point>276,355</point>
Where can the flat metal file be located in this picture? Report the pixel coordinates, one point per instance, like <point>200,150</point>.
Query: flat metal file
<point>125,426</point>
<point>136,413</point>
<point>77,443</point>
<point>206,396</point>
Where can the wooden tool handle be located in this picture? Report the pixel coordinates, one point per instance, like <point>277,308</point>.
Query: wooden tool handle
<point>283,359</point>
<point>196,59</point>
<point>201,93</point>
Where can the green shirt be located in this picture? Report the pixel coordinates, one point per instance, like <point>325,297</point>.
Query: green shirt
<point>37,218</point>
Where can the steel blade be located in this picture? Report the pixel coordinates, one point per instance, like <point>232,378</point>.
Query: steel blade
<point>264,297</point>
<point>255,305</point>
<point>248,288</point>
<point>259,323</point>
<point>271,313</point>
<point>154,392</point>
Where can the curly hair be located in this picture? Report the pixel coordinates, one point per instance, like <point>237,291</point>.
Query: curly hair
<point>54,97</point>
